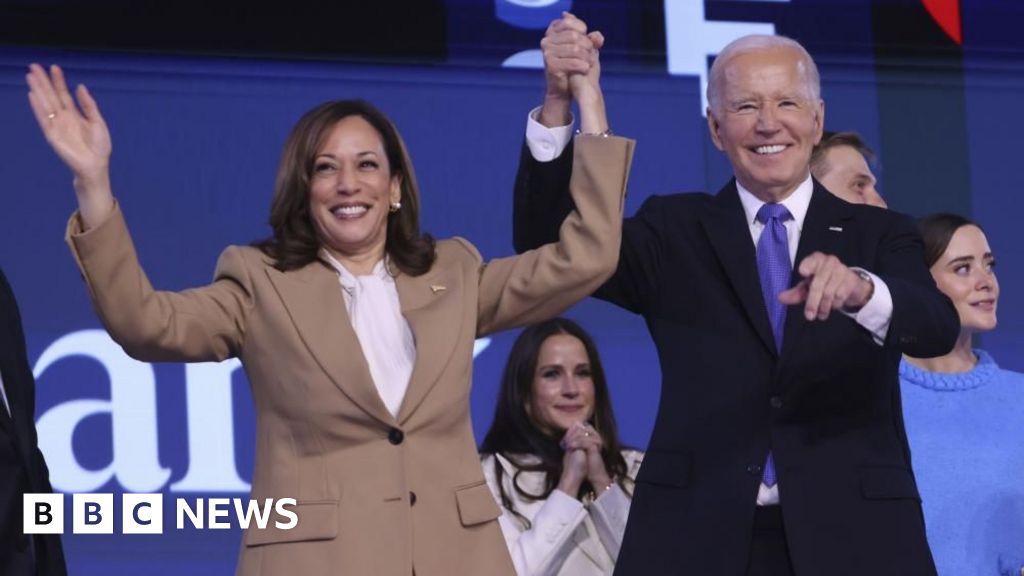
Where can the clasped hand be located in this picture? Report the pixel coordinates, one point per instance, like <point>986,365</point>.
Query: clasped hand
<point>582,460</point>
<point>572,66</point>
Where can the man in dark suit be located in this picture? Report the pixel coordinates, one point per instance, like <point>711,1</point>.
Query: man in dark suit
<point>22,466</point>
<point>779,445</point>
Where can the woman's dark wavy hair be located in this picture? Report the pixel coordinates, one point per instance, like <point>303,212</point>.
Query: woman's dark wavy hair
<point>936,232</point>
<point>515,434</point>
<point>294,242</point>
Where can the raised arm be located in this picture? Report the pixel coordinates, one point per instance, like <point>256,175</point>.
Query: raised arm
<point>196,325</point>
<point>542,283</point>
<point>571,69</point>
<point>79,136</point>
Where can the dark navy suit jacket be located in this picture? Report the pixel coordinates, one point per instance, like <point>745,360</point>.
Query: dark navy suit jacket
<point>828,406</point>
<point>22,468</point>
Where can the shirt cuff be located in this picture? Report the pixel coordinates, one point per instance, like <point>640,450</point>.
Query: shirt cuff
<point>545,143</point>
<point>876,315</point>
<point>612,501</point>
<point>561,505</point>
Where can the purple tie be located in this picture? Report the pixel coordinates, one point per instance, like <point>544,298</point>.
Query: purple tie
<point>774,268</point>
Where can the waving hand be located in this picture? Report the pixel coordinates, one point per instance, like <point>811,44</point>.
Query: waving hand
<point>79,136</point>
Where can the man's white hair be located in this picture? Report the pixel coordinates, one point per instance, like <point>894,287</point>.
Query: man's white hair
<point>754,43</point>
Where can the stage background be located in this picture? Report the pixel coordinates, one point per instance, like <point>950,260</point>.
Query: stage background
<point>200,99</point>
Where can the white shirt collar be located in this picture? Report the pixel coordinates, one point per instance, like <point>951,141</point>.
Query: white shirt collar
<point>796,203</point>
<point>348,279</point>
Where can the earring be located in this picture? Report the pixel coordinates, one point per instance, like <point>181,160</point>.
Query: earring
<point>395,207</point>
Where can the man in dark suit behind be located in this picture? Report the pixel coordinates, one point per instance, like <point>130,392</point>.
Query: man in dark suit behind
<point>22,466</point>
<point>779,445</point>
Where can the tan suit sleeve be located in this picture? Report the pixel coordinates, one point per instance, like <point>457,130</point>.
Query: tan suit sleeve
<point>542,283</point>
<point>200,324</point>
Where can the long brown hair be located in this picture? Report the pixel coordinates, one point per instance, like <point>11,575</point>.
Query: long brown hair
<point>514,434</point>
<point>294,242</point>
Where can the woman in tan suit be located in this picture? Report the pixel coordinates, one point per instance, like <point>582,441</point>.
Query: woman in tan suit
<point>355,330</point>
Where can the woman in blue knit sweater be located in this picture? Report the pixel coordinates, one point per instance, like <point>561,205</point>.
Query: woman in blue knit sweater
<point>965,418</point>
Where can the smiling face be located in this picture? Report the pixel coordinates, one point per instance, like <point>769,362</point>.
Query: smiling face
<point>351,190</point>
<point>563,390</point>
<point>767,120</point>
<point>965,273</point>
<point>845,172</point>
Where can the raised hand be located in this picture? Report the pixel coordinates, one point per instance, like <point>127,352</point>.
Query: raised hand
<point>586,89</point>
<point>827,284</point>
<point>569,50</point>
<point>79,137</point>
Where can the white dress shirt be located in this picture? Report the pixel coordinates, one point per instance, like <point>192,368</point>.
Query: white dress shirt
<point>383,333</point>
<point>546,144</point>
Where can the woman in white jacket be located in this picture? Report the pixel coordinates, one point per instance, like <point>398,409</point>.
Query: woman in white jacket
<point>553,459</point>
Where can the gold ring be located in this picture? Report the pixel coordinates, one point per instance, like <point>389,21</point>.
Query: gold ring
<point>51,115</point>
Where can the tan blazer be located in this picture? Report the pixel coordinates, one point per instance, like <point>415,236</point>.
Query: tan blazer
<point>377,494</point>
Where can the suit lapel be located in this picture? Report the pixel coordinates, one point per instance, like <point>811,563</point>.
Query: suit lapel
<point>726,227</point>
<point>315,303</point>
<point>432,305</point>
<point>825,226</point>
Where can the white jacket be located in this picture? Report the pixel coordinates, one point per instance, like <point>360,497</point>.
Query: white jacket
<point>566,537</point>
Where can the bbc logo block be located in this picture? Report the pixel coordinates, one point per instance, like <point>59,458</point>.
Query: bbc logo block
<point>93,513</point>
<point>44,514</point>
<point>144,513</point>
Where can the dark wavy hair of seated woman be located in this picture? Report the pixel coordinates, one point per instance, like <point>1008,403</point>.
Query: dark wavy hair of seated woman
<point>516,436</point>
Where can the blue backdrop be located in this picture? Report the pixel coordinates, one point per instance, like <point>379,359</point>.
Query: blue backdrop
<point>196,142</point>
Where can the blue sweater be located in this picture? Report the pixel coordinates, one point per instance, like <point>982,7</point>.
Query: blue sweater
<point>966,434</point>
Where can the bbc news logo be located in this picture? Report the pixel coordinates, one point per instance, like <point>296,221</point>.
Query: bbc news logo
<point>144,513</point>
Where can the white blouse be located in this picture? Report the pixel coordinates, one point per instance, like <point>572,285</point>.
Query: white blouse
<point>383,333</point>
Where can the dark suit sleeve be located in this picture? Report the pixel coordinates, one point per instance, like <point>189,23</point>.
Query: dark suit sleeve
<point>542,201</point>
<point>924,322</point>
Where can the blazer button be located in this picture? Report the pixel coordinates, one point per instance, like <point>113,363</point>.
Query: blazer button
<point>775,402</point>
<point>754,469</point>
<point>395,436</point>
<point>412,498</point>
